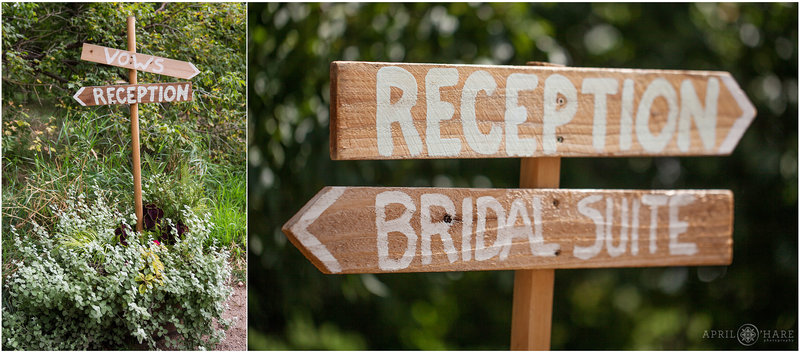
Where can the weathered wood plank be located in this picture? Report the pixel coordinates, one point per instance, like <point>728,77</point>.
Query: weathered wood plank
<point>134,94</point>
<point>378,229</point>
<point>137,61</point>
<point>401,111</point>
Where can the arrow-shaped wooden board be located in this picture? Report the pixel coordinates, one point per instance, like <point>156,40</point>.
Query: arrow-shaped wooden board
<point>401,111</point>
<point>138,61</point>
<point>375,230</point>
<point>133,94</point>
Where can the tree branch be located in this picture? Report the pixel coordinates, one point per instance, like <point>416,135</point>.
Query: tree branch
<point>163,5</point>
<point>53,76</point>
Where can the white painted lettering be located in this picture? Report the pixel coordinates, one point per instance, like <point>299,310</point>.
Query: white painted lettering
<point>516,114</point>
<point>183,93</point>
<point>560,105</point>
<point>511,230</point>
<point>483,252</point>
<point>121,98</point>
<point>159,62</point>
<point>141,66</point>
<point>439,111</point>
<point>401,225</point>
<point>635,227</point>
<point>677,227</point>
<point>400,112</point>
<point>538,247</point>
<point>110,57</point>
<point>110,95</point>
<point>659,87</point>
<point>125,56</point>
<point>440,227</point>
<point>167,96</point>
<point>599,87</point>
<point>141,91</point>
<point>704,119</point>
<point>626,116</point>
<point>619,249</point>
<point>588,252</point>
<point>482,143</point>
<point>98,96</point>
<point>654,201</point>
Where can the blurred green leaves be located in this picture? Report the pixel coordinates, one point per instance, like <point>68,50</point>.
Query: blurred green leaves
<point>290,50</point>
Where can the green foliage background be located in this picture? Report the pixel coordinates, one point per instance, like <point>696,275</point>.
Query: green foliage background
<point>292,305</point>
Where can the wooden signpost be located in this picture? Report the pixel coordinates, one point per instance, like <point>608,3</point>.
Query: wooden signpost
<point>399,111</point>
<point>380,230</point>
<point>133,93</point>
<point>540,113</point>
<point>130,59</point>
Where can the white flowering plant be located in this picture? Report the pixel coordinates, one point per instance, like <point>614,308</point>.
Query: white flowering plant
<point>81,286</point>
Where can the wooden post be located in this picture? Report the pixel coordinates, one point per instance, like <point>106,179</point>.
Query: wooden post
<point>137,169</point>
<point>532,310</point>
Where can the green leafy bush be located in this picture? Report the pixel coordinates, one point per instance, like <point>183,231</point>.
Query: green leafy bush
<point>78,287</point>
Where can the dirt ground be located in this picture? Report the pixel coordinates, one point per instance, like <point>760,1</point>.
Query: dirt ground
<point>236,337</point>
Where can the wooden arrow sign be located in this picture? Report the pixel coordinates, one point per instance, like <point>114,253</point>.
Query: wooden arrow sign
<point>372,230</point>
<point>401,111</point>
<point>133,94</point>
<point>137,61</point>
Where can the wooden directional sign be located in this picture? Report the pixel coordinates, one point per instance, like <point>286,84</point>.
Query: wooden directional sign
<point>133,94</point>
<point>401,111</point>
<point>138,61</point>
<point>372,230</point>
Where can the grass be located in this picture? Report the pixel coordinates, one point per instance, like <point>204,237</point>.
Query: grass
<point>228,195</point>
<point>50,153</point>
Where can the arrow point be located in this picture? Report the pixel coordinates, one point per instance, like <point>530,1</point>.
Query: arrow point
<point>743,121</point>
<point>308,214</point>
<point>78,99</point>
<point>196,71</point>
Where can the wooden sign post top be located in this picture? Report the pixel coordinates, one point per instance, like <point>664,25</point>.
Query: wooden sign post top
<point>134,93</point>
<point>376,230</point>
<point>407,111</point>
<point>402,111</point>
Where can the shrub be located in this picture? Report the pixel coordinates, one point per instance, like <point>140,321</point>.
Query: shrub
<point>78,287</point>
